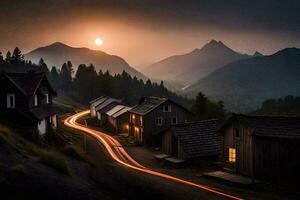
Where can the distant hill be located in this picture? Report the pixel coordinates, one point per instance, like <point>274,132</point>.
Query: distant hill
<point>58,53</point>
<point>190,67</point>
<point>243,85</point>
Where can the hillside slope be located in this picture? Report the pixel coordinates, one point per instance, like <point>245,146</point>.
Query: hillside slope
<point>190,67</point>
<point>58,53</point>
<point>245,84</point>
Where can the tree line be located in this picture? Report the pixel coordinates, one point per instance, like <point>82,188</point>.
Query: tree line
<point>286,106</point>
<point>86,84</point>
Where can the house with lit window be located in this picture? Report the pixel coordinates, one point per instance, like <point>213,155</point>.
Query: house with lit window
<point>152,116</point>
<point>26,98</point>
<point>192,140</point>
<point>262,147</point>
<point>102,108</point>
<point>118,118</point>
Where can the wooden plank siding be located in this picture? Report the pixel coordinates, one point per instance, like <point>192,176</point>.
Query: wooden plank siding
<point>150,130</point>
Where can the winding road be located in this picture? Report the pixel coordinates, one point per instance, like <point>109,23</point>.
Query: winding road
<point>118,154</point>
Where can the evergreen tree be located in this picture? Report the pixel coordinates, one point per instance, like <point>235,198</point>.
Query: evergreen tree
<point>1,57</point>
<point>17,56</point>
<point>54,77</point>
<point>8,57</point>
<point>43,66</point>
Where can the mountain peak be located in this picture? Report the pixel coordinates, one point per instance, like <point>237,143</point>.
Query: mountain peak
<point>214,44</point>
<point>58,45</point>
<point>257,54</point>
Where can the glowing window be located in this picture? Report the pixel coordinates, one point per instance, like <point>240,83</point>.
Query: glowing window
<point>232,155</point>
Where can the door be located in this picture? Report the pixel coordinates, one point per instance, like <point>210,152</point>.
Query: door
<point>42,127</point>
<point>175,147</point>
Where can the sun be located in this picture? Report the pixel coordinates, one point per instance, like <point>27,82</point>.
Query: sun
<point>98,41</point>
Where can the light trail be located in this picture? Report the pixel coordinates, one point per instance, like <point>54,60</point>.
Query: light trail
<point>117,152</point>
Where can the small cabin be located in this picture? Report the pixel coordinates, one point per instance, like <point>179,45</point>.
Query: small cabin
<point>192,140</point>
<point>152,116</point>
<point>94,103</point>
<point>104,107</point>
<point>118,118</point>
<point>26,98</point>
<point>262,147</point>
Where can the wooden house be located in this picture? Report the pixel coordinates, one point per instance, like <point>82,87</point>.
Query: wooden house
<point>192,140</point>
<point>27,98</point>
<point>95,103</point>
<point>118,118</point>
<point>106,105</point>
<point>262,147</point>
<point>153,115</point>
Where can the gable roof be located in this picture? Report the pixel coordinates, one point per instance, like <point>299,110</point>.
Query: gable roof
<point>99,99</point>
<point>114,110</point>
<point>107,101</point>
<point>28,83</point>
<point>121,112</point>
<point>147,104</point>
<point>198,138</point>
<point>269,126</point>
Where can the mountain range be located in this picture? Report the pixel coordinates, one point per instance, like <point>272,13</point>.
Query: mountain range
<point>58,53</point>
<point>189,68</point>
<point>244,84</point>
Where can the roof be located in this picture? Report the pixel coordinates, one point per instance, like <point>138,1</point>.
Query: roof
<point>147,104</point>
<point>29,82</point>
<point>114,110</point>
<point>198,138</point>
<point>107,102</point>
<point>121,112</point>
<point>100,99</point>
<point>43,111</point>
<point>269,126</point>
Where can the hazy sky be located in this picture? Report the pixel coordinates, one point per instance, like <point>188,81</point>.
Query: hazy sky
<point>144,31</point>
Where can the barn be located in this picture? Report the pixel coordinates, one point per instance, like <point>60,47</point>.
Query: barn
<point>262,147</point>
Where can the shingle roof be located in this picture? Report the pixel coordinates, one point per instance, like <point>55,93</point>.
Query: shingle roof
<point>28,83</point>
<point>147,104</point>
<point>198,138</point>
<point>270,126</point>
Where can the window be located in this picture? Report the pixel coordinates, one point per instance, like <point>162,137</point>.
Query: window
<point>232,155</point>
<point>237,132</point>
<point>35,100</point>
<point>174,120</point>
<point>167,108</point>
<point>158,121</point>
<point>141,121</point>
<point>47,98</point>
<point>10,100</point>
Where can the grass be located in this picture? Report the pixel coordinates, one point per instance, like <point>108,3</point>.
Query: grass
<point>55,160</point>
<point>73,152</point>
<point>18,168</point>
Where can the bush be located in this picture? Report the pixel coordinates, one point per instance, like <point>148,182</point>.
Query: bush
<point>56,161</point>
<point>18,168</point>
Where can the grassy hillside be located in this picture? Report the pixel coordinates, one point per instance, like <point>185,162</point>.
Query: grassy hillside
<point>48,171</point>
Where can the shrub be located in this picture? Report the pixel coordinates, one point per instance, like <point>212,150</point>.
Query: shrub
<point>18,168</point>
<point>56,161</point>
